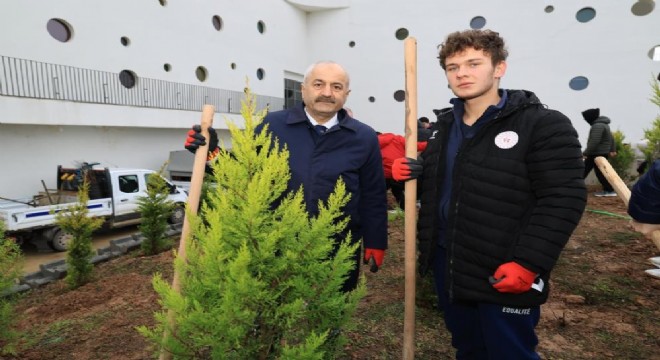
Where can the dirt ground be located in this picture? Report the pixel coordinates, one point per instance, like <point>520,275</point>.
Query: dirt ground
<point>602,304</point>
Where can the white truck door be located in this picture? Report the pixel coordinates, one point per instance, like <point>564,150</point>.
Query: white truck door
<point>127,187</point>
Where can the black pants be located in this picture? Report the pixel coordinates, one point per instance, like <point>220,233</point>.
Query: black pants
<point>590,165</point>
<point>397,188</point>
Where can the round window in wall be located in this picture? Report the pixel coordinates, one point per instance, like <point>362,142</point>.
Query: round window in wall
<point>478,22</point>
<point>167,67</point>
<point>585,14</point>
<point>549,9</point>
<point>127,78</point>
<point>261,27</point>
<point>372,99</point>
<point>232,66</point>
<point>642,7</point>
<point>162,2</point>
<point>217,22</point>
<point>125,41</point>
<point>201,73</point>
<point>399,95</point>
<point>401,33</point>
<point>578,83</point>
<point>351,44</point>
<point>654,53</point>
<point>59,29</point>
<point>260,73</point>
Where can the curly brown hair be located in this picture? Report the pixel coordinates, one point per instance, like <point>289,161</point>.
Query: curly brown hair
<point>487,40</point>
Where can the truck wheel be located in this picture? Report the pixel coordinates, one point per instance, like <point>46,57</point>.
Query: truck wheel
<point>60,240</point>
<point>177,215</point>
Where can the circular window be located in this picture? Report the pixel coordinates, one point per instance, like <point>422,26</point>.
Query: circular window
<point>127,78</point>
<point>372,99</point>
<point>125,41</point>
<point>641,7</point>
<point>654,53</point>
<point>201,73</point>
<point>162,2</point>
<point>401,33</point>
<point>549,9</point>
<point>351,44</point>
<point>579,83</point>
<point>585,14</point>
<point>59,29</point>
<point>478,22</point>
<point>260,73</point>
<point>167,67</point>
<point>399,95</point>
<point>217,22</point>
<point>261,27</point>
<point>233,66</point>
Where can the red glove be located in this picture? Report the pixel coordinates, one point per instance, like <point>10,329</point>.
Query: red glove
<point>405,168</point>
<point>195,139</point>
<point>512,278</point>
<point>377,254</point>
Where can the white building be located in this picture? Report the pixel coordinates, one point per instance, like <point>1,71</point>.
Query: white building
<point>63,63</point>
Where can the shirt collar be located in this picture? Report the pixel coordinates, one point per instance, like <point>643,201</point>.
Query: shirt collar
<point>330,123</point>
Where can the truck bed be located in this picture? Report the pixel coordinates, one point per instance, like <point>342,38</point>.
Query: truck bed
<point>22,216</point>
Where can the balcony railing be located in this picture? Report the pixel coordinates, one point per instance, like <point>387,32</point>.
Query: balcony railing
<point>40,80</point>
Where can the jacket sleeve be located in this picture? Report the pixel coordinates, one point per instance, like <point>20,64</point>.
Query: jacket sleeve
<point>644,205</point>
<point>555,168</point>
<point>373,199</point>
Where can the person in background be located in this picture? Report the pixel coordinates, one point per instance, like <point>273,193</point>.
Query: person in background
<point>599,143</point>
<point>423,128</point>
<point>392,147</point>
<point>325,144</point>
<point>644,208</point>
<point>501,192</point>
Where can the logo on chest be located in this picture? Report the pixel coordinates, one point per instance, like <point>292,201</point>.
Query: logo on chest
<point>506,139</point>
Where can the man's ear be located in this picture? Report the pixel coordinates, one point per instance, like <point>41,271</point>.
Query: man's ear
<point>500,69</point>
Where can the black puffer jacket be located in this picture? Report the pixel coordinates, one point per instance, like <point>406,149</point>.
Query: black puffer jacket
<point>517,195</point>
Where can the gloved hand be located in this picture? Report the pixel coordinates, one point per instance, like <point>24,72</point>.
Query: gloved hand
<point>405,168</point>
<point>195,139</point>
<point>512,278</point>
<point>378,256</point>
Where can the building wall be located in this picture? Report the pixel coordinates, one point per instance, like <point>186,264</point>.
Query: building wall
<point>547,49</point>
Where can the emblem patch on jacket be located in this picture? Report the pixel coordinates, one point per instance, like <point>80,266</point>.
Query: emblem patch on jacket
<point>506,139</point>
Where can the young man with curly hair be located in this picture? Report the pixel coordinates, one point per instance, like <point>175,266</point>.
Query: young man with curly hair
<point>501,191</point>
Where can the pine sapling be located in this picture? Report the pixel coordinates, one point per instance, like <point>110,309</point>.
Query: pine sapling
<point>11,268</point>
<point>155,209</point>
<point>262,278</point>
<point>76,222</point>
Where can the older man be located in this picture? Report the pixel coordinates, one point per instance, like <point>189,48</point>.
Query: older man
<point>325,144</point>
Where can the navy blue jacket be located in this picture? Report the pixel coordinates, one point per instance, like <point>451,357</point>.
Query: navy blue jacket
<point>349,150</point>
<point>644,205</point>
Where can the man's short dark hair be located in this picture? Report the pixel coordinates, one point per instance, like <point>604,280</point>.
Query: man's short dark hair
<point>424,119</point>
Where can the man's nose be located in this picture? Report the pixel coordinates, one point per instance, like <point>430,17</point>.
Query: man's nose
<point>326,90</point>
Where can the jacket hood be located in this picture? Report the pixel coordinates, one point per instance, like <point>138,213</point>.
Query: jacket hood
<point>602,120</point>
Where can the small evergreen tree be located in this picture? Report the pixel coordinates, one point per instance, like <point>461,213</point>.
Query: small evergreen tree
<point>259,282</point>
<point>75,221</point>
<point>11,268</point>
<point>155,208</point>
<point>652,149</point>
<point>625,156</point>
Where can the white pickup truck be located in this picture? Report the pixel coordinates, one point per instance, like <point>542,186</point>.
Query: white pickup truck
<point>113,195</point>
